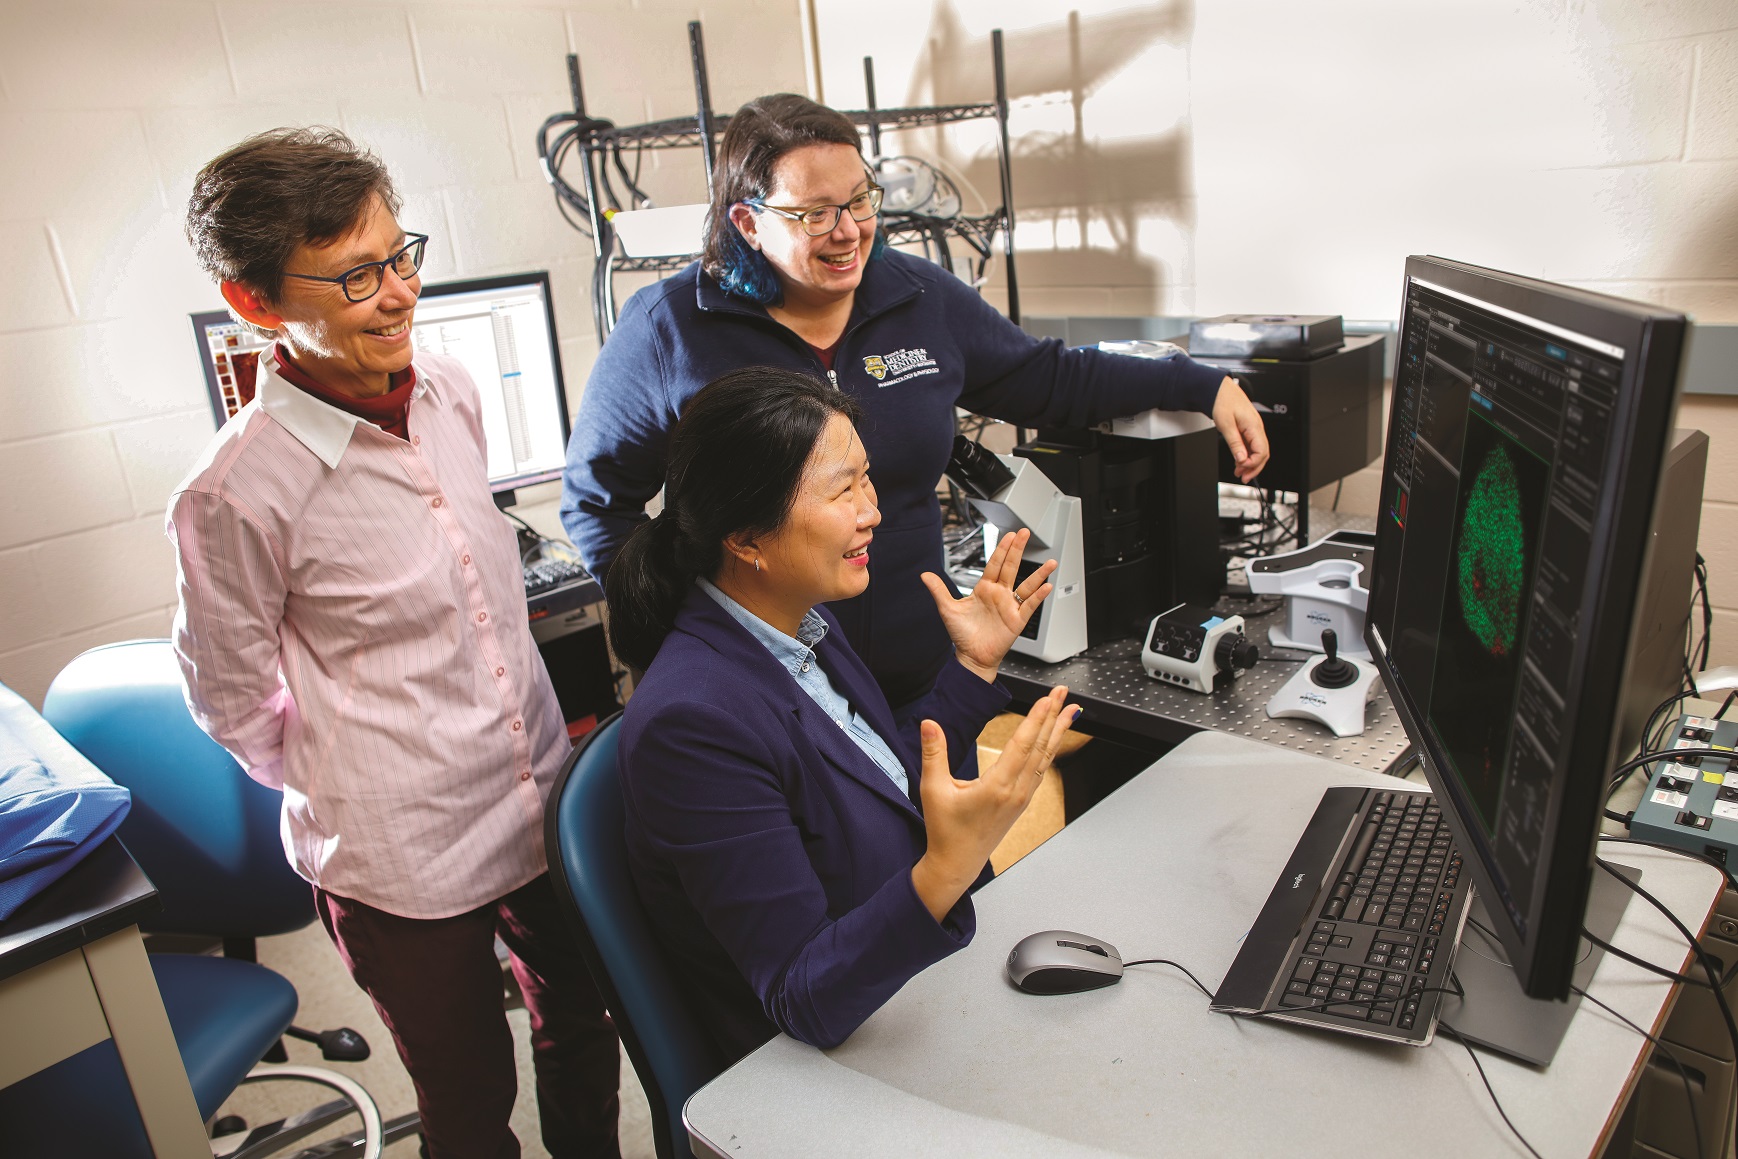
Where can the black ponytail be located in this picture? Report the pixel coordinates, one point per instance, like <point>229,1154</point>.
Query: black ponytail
<point>736,460</point>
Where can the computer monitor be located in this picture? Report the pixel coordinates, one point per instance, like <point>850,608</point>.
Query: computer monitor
<point>502,329</point>
<point>1526,439</point>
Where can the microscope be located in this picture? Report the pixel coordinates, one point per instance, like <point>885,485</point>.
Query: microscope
<point>1012,493</point>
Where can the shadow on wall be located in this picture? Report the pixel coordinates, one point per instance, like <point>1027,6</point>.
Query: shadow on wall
<point>1092,195</point>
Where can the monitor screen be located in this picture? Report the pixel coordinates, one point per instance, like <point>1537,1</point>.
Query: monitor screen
<point>1526,439</point>
<point>503,331</point>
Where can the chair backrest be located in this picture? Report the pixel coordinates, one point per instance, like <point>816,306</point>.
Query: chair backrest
<point>668,1046</point>
<point>203,831</point>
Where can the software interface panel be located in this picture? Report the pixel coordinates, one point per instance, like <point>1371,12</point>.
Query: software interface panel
<point>1502,426</point>
<point>502,337</point>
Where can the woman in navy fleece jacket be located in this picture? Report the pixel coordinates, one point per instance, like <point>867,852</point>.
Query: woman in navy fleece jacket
<point>905,338</point>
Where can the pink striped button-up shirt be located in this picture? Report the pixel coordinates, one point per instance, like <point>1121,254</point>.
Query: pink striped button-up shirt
<point>352,628</point>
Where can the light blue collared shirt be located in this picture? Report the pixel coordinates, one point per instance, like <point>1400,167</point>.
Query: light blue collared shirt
<point>798,658</point>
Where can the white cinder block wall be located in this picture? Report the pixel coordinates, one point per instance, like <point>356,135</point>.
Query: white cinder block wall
<point>1235,156</point>
<point>107,110</point>
<point>1172,158</point>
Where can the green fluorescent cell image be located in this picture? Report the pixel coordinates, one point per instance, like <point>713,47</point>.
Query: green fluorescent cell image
<point>1492,554</point>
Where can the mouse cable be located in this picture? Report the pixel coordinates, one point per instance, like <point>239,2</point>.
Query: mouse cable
<point>1660,1045</point>
<point>1484,1078</point>
<point>1167,962</point>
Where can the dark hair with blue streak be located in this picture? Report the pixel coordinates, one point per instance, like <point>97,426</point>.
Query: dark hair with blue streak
<point>759,133</point>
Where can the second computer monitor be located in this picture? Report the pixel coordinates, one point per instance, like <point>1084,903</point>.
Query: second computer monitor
<point>501,329</point>
<point>1526,438</point>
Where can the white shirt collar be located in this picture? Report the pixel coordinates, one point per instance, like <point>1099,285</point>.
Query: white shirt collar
<point>317,425</point>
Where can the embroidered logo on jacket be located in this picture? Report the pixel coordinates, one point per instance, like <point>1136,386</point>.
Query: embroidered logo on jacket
<point>900,366</point>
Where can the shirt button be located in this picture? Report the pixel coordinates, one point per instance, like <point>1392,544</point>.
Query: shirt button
<point>524,776</point>
<point>416,440</point>
<point>437,502</point>
<point>482,617</point>
<point>500,672</point>
<point>465,559</point>
<point>516,725</point>
<point>805,667</point>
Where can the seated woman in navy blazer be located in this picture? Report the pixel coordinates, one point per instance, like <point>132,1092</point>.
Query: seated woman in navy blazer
<point>801,852</point>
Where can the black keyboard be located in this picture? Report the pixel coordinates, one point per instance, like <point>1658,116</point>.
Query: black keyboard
<point>551,574</point>
<point>1359,932</point>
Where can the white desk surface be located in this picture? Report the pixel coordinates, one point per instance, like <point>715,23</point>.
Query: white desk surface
<point>1177,864</point>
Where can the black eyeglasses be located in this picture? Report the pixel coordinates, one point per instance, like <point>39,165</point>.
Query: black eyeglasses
<point>362,282</point>
<point>824,219</point>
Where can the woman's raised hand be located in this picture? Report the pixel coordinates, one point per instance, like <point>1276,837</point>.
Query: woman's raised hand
<point>966,820</point>
<point>985,624</point>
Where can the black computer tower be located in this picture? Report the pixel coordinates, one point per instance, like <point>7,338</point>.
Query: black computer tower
<point>1663,606</point>
<point>1150,518</point>
<point>1323,415</point>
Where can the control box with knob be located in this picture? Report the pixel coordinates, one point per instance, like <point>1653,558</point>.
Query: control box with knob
<point>1191,647</point>
<point>1691,801</point>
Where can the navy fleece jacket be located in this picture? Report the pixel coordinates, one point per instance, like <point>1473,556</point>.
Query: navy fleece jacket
<point>919,343</point>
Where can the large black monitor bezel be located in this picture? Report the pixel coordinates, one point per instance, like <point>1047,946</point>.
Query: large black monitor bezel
<point>214,391</point>
<point>1545,954</point>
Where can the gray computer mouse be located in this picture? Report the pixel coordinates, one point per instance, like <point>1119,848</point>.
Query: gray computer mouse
<point>1061,962</point>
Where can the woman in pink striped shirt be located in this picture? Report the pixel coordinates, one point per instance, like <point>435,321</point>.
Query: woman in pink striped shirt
<point>352,628</point>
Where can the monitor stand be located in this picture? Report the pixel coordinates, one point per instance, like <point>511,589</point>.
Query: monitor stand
<point>1495,1013</point>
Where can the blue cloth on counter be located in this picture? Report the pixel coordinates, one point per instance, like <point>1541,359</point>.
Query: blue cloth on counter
<point>50,817</point>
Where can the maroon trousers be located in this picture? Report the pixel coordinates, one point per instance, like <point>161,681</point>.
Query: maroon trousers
<point>437,986</point>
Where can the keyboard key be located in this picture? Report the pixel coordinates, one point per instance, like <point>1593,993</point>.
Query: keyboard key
<point>1391,991</point>
<point>1341,940</point>
<point>1335,908</point>
<point>1341,993</point>
<point>1294,1000</point>
<point>1374,911</point>
<point>1393,978</point>
<point>1355,909</point>
<point>1383,1016</point>
<point>1394,921</point>
<point>1306,970</point>
<point>1324,927</point>
<point>1297,988</point>
<point>1349,1011</point>
<point>1327,969</point>
<point>1369,986</point>
<point>1318,991</point>
<point>1416,922</point>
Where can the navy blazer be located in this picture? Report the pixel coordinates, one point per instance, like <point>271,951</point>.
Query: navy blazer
<point>773,856</point>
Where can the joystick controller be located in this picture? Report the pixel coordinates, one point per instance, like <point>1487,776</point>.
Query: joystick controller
<point>1330,689</point>
<point>1331,671</point>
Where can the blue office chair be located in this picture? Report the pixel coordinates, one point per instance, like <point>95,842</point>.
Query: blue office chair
<point>583,835</point>
<point>206,835</point>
